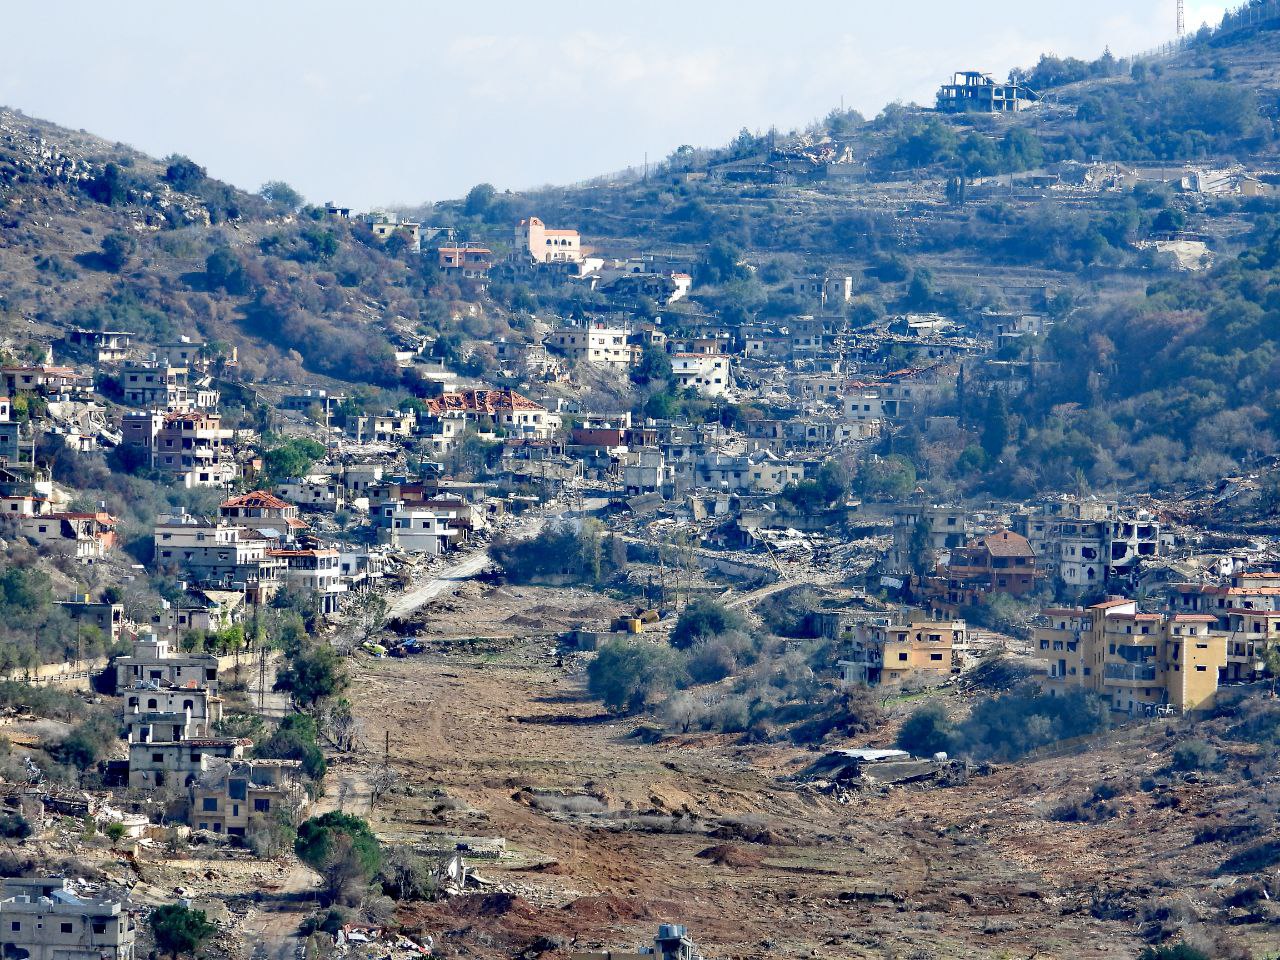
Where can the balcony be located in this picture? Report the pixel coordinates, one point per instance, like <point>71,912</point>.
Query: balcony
<point>1131,672</point>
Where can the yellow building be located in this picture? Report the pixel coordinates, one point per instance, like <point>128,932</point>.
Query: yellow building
<point>884,651</point>
<point>1137,662</point>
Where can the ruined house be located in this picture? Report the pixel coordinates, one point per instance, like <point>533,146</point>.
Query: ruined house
<point>974,91</point>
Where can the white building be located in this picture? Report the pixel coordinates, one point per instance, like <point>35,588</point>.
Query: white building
<point>709,374</point>
<point>598,344</point>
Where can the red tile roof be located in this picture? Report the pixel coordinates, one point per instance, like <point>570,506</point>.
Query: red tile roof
<point>259,499</point>
<point>480,401</point>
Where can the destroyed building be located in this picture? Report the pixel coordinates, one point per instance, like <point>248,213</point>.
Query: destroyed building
<point>231,794</point>
<point>974,91</point>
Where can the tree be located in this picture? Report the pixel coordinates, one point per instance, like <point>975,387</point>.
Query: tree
<point>279,194</point>
<point>1271,664</point>
<point>109,188</point>
<point>342,849</point>
<point>314,673</point>
<point>479,199</point>
<point>920,548</point>
<point>995,425</point>
<point>115,831</point>
<point>184,174</point>
<point>926,732</point>
<point>293,458</point>
<point>654,365</point>
<point>223,269</point>
<point>629,675</point>
<point>701,620</point>
<point>117,248</point>
<point>366,616</point>
<point>180,930</point>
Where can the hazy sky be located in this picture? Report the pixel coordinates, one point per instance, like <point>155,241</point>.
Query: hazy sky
<point>400,102</point>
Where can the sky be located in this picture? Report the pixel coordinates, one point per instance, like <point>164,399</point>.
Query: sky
<point>395,102</point>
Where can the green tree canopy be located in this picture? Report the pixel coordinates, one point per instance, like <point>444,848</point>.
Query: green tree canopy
<point>314,673</point>
<point>629,675</point>
<point>292,458</point>
<point>179,930</point>
<point>702,620</point>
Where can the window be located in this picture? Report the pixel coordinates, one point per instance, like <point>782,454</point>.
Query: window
<point>66,928</point>
<point>157,758</point>
<point>261,805</point>
<point>209,805</point>
<point>99,927</point>
<point>1200,668</point>
<point>902,656</point>
<point>935,656</point>
<point>15,926</point>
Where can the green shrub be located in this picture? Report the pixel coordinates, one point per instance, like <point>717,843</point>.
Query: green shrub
<point>702,620</point>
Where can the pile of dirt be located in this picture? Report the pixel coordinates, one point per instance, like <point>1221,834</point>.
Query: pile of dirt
<point>606,909</point>
<point>490,905</point>
<point>751,831</point>
<point>727,855</point>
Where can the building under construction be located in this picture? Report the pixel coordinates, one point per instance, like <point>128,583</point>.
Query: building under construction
<point>971,91</point>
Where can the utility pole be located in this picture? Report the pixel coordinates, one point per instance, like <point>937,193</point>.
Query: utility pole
<point>262,677</point>
<point>1182,19</point>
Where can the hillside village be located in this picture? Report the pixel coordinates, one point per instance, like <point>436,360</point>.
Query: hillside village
<point>741,545</point>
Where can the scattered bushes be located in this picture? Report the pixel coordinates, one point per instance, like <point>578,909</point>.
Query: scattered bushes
<point>1095,808</point>
<point>575,552</point>
<point>14,826</point>
<point>1262,856</point>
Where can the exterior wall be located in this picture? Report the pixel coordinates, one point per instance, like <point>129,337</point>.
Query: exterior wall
<point>709,374</point>
<point>603,346</point>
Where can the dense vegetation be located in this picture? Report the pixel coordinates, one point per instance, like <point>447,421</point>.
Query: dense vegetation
<point>1004,727</point>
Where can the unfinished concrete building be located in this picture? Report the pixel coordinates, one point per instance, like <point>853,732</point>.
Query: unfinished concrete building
<point>974,91</point>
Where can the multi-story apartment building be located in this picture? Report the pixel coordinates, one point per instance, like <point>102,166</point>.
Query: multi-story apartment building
<point>1088,542</point>
<point>153,662</point>
<point>149,698</point>
<point>876,650</point>
<point>417,527</point>
<point>596,344</point>
<point>517,415</point>
<point>217,554</point>
<point>178,762</point>
<point>192,447</point>
<point>543,245</point>
<point>162,385</point>
<point>1137,662</point>
<point>316,571</point>
<point>264,513</point>
<point>230,795</point>
<point>41,918</point>
<point>709,374</point>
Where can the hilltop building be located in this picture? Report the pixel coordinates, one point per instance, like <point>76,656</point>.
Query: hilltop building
<point>973,91</point>
<point>545,245</point>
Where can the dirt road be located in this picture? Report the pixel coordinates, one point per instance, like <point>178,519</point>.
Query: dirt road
<point>271,929</point>
<point>448,578</point>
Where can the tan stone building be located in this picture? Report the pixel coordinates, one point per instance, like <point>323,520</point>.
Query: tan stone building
<point>1137,662</point>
